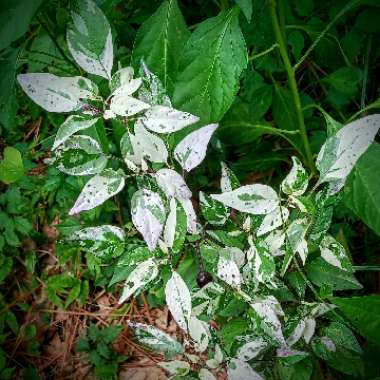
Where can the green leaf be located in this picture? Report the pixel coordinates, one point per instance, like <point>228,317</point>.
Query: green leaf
<point>11,167</point>
<point>246,7</point>
<point>363,312</point>
<point>8,60</point>
<point>15,17</point>
<point>213,211</point>
<point>346,80</point>
<point>322,273</point>
<point>210,67</point>
<point>159,41</point>
<point>362,191</point>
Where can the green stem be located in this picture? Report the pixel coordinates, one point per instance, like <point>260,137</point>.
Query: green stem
<point>292,85</point>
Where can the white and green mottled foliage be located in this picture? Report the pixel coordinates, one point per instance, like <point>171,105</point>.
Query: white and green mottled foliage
<point>296,182</point>
<point>241,370</point>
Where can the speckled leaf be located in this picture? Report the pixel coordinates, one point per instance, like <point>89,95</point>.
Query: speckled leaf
<point>123,82</point>
<point>213,211</point>
<point>191,216</point>
<point>296,233</point>
<point>58,94</point>
<point>191,151</point>
<point>178,300</point>
<point>98,189</point>
<point>334,253</point>
<point>239,370</point>
<point>228,179</point>
<point>172,184</point>
<point>198,330</point>
<point>228,271</point>
<point>273,220</point>
<point>251,349</point>
<point>89,38</point>
<point>123,104</point>
<point>296,182</point>
<point>148,215</point>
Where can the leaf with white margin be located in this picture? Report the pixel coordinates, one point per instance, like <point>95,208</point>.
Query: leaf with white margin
<point>205,374</point>
<point>100,241</point>
<point>161,119</point>
<point>268,309</point>
<point>334,253</point>
<point>89,38</point>
<point>341,151</point>
<point>198,331</point>
<point>176,367</point>
<point>143,274</point>
<point>80,155</point>
<point>71,125</point>
<point>98,189</point>
<point>273,220</point>
<point>228,179</point>
<point>251,349</point>
<point>148,215</point>
<point>191,216</point>
<point>178,299</point>
<point>122,82</point>
<point>296,182</point>
<point>228,271</point>
<point>123,104</point>
<point>254,199</point>
<point>58,94</point>
<point>240,370</point>
<point>191,151</point>
<point>296,233</point>
<point>155,339</point>
<point>172,184</point>
<point>148,145</point>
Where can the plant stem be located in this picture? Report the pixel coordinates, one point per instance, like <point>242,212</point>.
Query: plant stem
<point>292,84</point>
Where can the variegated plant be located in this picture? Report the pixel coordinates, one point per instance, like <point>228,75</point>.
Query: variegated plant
<point>252,258</point>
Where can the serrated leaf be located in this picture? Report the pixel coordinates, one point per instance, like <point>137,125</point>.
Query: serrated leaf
<point>58,94</point>
<point>178,299</point>
<point>172,184</point>
<point>210,67</point>
<point>160,39</point>
<point>253,199</point>
<point>334,253</point>
<point>89,38</point>
<point>239,370</point>
<point>161,119</point>
<point>191,151</point>
<point>296,182</point>
<point>273,220</point>
<point>228,271</point>
<point>155,339</point>
<point>98,189</point>
<point>71,125</point>
<point>11,167</point>
<point>341,151</point>
<point>148,215</point>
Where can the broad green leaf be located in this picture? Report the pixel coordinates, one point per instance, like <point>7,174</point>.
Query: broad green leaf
<point>346,80</point>
<point>363,312</point>
<point>253,199</point>
<point>143,274</point>
<point>58,94</point>
<point>341,151</point>
<point>159,41</point>
<point>161,119</point>
<point>334,253</point>
<point>11,167</point>
<point>210,67</point>
<point>8,65</point>
<point>89,38</point>
<point>71,125</point>
<point>246,7</point>
<point>148,215</point>
<point>103,241</point>
<point>191,150</point>
<point>178,299</point>
<point>240,370</point>
<point>98,189</point>
<point>228,271</point>
<point>15,17</point>
<point>322,273</point>
<point>172,184</point>
<point>296,182</point>
<point>213,211</point>
<point>362,191</point>
<point>155,339</point>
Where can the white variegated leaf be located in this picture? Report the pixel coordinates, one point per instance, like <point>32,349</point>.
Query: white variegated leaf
<point>240,370</point>
<point>297,333</point>
<point>296,182</point>
<point>122,82</point>
<point>148,215</point>
<point>228,271</point>
<point>334,253</point>
<point>176,367</point>
<point>253,199</point>
<point>288,352</point>
<point>296,233</point>
<point>71,125</point>
<point>341,151</point>
<point>251,349</point>
<point>161,119</point>
<point>308,333</point>
<point>144,273</point>
<point>198,331</point>
<point>58,94</point>
<point>191,151</point>
<point>225,179</point>
<point>172,184</point>
<point>191,216</point>
<point>205,374</point>
<point>178,299</point>
<point>123,104</point>
<point>89,38</point>
<point>171,223</point>
<point>98,189</point>
<point>275,241</point>
<point>273,220</point>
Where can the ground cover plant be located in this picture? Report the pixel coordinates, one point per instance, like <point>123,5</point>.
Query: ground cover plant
<point>190,189</point>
